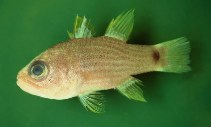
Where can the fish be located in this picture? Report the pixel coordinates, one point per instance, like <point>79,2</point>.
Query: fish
<point>85,65</point>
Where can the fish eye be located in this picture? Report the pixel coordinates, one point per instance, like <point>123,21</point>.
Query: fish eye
<point>38,70</point>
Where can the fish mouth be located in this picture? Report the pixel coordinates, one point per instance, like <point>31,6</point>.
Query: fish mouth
<point>22,83</point>
<point>18,79</point>
<point>27,85</point>
<point>30,87</point>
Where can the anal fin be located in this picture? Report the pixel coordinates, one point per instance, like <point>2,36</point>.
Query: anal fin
<point>130,89</point>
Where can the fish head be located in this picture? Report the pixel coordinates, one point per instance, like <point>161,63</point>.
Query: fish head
<point>50,75</point>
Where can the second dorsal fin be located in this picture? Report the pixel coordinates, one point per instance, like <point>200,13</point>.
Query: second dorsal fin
<point>121,27</point>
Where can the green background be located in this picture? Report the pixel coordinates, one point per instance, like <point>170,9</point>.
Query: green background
<point>174,100</point>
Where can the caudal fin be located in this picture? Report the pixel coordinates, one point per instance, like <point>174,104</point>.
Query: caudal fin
<point>175,55</point>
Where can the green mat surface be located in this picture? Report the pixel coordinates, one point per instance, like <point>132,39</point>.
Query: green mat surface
<point>28,27</point>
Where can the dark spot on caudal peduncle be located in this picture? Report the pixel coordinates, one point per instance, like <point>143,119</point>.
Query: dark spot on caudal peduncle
<point>156,56</point>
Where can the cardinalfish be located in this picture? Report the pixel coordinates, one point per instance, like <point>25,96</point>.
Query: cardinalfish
<point>85,65</point>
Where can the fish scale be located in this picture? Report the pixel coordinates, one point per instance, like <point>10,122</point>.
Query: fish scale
<point>102,48</point>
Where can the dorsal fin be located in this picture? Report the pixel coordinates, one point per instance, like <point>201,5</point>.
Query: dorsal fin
<point>121,27</point>
<point>82,28</point>
<point>130,88</point>
<point>93,101</point>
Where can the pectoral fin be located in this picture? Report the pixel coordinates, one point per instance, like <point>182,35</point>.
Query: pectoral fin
<point>131,90</point>
<point>82,28</point>
<point>93,102</point>
<point>121,27</point>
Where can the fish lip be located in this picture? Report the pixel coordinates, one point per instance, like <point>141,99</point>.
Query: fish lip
<point>29,87</point>
<point>19,82</point>
<point>22,82</point>
<point>18,78</point>
<point>23,85</point>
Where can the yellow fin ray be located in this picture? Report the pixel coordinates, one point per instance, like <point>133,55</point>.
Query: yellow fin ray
<point>121,27</point>
<point>82,28</point>
<point>177,55</point>
<point>131,90</point>
<point>93,101</point>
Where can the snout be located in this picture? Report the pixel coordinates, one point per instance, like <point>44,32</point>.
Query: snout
<point>18,81</point>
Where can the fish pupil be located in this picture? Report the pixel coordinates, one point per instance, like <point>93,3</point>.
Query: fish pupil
<point>37,69</point>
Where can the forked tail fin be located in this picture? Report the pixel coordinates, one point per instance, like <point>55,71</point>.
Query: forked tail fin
<point>175,55</point>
